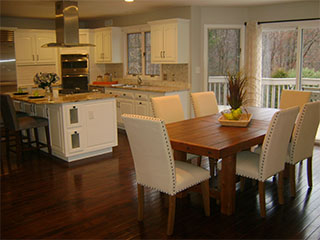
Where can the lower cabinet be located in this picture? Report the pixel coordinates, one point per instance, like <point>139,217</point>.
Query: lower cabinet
<point>77,130</point>
<point>139,102</point>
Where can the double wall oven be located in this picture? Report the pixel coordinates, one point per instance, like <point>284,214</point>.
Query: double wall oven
<point>75,72</point>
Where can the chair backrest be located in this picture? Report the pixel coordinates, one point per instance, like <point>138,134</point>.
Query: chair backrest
<point>168,108</point>
<point>276,141</point>
<point>304,133</point>
<point>8,112</point>
<point>151,151</point>
<point>204,103</point>
<point>291,98</point>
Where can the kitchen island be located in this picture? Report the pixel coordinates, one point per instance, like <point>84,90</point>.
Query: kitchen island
<point>81,125</point>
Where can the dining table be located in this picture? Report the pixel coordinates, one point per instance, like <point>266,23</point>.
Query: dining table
<point>205,136</point>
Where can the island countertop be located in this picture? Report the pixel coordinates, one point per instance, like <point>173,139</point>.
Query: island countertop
<point>65,98</point>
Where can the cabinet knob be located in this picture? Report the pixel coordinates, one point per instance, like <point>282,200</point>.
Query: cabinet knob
<point>140,103</point>
<point>124,94</point>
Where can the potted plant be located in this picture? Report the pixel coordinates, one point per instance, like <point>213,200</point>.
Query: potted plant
<point>236,95</point>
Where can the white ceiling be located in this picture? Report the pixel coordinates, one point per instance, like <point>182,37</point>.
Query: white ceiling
<point>89,9</point>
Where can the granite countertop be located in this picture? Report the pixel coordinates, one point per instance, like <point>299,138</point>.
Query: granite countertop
<point>162,89</point>
<point>68,98</point>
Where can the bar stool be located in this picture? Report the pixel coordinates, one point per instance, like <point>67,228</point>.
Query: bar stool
<point>16,124</point>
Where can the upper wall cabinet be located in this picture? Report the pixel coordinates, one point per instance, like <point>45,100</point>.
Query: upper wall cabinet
<point>170,41</point>
<point>108,45</point>
<point>28,47</point>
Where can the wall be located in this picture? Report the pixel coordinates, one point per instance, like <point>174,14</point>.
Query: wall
<point>298,10</point>
<point>27,23</point>
<point>137,19</point>
<point>216,15</point>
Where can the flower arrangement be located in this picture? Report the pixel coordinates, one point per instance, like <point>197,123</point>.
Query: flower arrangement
<point>44,80</point>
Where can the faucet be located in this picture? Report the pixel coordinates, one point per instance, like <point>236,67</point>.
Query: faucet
<point>139,80</point>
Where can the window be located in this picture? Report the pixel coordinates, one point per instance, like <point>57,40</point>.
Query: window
<point>290,60</point>
<point>222,54</point>
<point>139,55</point>
<point>134,53</point>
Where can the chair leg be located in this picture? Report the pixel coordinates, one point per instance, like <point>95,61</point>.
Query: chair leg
<point>309,167</point>
<point>262,199</point>
<point>140,202</point>
<point>7,144</point>
<point>29,137</point>
<point>172,213</point>
<point>18,145</point>
<point>206,197</point>
<point>242,182</point>
<point>48,140</point>
<point>36,135</point>
<point>280,188</point>
<point>292,169</point>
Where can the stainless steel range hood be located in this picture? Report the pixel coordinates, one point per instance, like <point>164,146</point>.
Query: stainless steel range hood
<point>67,26</point>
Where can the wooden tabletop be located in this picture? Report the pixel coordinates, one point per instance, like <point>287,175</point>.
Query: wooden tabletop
<point>206,137</point>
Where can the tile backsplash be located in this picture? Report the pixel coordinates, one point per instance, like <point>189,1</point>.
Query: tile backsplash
<point>173,75</point>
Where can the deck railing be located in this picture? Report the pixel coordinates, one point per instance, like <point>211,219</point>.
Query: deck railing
<point>271,89</point>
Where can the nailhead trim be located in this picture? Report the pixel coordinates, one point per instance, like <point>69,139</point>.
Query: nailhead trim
<point>297,132</point>
<point>267,143</point>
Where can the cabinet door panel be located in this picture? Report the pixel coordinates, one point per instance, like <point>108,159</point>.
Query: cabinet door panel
<point>101,124</point>
<point>142,108</point>
<point>107,46</point>
<point>45,55</point>
<point>170,42</point>
<point>99,47</point>
<point>24,49</point>
<point>156,43</point>
<point>126,106</point>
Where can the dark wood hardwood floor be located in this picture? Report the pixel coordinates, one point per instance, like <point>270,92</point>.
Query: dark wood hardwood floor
<point>44,198</point>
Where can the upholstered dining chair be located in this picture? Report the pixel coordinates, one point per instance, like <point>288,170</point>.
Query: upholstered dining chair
<point>169,109</point>
<point>302,141</point>
<point>155,166</point>
<point>16,124</point>
<point>272,158</point>
<point>204,104</point>
<point>291,98</point>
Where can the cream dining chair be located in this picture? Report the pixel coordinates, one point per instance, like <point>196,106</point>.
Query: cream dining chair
<point>170,110</point>
<point>302,142</point>
<point>204,104</point>
<point>291,98</point>
<point>155,166</point>
<point>272,158</point>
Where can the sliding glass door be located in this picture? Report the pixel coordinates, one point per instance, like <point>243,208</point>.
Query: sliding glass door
<point>290,60</point>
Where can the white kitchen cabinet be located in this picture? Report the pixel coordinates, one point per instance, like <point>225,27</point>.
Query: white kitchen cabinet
<point>84,37</point>
<point>78,129</point>
<point>124,106</point>
<point>28,47</point>
<point>108,45</point>
<point>139,102</point>
<point>142,108</point>
<point>170,41</point>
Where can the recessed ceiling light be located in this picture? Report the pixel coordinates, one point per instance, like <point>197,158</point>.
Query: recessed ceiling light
<point>129,0</point>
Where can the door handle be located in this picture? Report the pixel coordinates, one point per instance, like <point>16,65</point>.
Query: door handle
<point>32,57</point>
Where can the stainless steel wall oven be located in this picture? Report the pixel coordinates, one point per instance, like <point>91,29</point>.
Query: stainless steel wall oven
<point>75,71</point>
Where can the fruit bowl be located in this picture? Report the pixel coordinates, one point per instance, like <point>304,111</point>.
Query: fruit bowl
<point>242,122</point>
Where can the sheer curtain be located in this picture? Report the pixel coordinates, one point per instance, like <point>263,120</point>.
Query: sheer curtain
<point>253,51</point>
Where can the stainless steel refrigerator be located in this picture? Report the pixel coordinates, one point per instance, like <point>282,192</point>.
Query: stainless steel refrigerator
<point>8,74</point>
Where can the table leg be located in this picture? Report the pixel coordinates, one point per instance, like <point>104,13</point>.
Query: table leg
<point>227,185</point>
<point>178,155</point>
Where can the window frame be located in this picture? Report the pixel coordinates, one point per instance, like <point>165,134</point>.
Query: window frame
<point>137,29</point>
<point>206,27</point>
